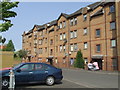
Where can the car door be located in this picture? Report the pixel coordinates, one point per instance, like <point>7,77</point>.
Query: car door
<point>24,74</point>
<point>40,72</point>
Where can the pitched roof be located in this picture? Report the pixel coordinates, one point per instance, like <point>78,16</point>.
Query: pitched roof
<point>78,12</point>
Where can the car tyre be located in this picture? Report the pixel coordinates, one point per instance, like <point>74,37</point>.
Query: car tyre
<point>5,82</point>
<point>50,80</point>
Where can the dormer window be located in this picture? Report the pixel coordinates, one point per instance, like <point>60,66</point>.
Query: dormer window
<point>75,21</point>
<point>112,8</point>
<point>60,24</point>
<point>71,22</point>
<point>85,17</point>
<point>64,24</point>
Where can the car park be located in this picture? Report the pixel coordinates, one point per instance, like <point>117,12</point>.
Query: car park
<point>27,73</point>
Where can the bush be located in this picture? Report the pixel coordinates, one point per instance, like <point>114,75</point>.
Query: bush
<point>79,62</point>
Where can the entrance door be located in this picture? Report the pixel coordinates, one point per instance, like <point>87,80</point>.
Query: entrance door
<point>50,61</point>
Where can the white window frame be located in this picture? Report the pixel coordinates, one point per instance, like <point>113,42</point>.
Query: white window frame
<point>75,33</point>
<point>85,31</point>
<point>85,45</point>
<point>60,24</point>
<point>64,35</point>
<point>113,43</point>
<point>60,48</point>
<point>61,36</point>
<point>85,17</point>
<point>75,47</point>
<point>71,47</point>
<point>75,21</point>
<point>71,34</point>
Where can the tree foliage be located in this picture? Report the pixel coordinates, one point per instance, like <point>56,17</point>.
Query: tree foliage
<point>10,46</point>
<point>6,14</point>
<point>22,53</point>
<point>79,62</point>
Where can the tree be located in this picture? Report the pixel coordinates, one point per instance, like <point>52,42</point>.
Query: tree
<point>79,62</point>
<point>22,53</point>
<point>10,46</point>
<point>6,14</point>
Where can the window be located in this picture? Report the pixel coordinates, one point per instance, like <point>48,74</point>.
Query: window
<point>41,67</point>
<point>114,62</point>
<point>86,60</point>
<point>64,47</point>
<point>56,37</point>
<point>38,66</point>
<point>46,40</point>
<point>35,49</point>
<point>45,49</point>
<point>71,48</point>
<point>64,24</point>
<point>60,24</point>
<point>75,47</point>
<point>85,45</point>
<point>85,31</point>
<point>51,51</point>
<point>98,48</point>
<point>64,35</point>
<point>60,48</point>
<point>112,8</point>
<point>75,33</point>
<point>71,22</point>
<point>112,26</point>
<point>41,33</point>
<point>61,36</point>
<point>41,41</point>
<point>40,50</point>
<point>113,43</point>
<point>56,61</point>
<point>27,67</point>
<point>75,21</point>
<point>51,41</point>
<point>85,17</point>
<point>71,61</point>
<point>97,32</point>
<point>71,34</point>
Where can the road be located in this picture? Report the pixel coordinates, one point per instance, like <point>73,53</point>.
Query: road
<point>82,79</point>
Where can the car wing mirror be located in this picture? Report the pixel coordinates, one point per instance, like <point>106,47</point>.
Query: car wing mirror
<point>18,70</point>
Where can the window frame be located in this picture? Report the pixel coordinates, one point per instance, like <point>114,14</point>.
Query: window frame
<point>99,48</point>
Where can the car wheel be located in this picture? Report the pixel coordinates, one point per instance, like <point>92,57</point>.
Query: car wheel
<point>50,80</point>
<point>5,82</point>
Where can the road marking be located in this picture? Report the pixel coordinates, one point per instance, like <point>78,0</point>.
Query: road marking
<point>88,86</point>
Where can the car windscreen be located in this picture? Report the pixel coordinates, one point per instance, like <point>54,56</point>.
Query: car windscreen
<point>18,65</point>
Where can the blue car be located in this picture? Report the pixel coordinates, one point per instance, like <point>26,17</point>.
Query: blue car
<point>26,73</point>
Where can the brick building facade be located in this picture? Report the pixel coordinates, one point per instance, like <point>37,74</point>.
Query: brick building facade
<point>93,29</point>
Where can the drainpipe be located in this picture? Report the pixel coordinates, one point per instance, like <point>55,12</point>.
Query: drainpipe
<point>105,39</point>
<point>90,35</point>
<point>68,64</point>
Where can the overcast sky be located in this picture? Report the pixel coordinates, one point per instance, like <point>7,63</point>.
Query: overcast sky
<point>31,13</point>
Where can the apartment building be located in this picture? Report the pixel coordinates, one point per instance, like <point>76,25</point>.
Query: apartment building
<point>93,29</point>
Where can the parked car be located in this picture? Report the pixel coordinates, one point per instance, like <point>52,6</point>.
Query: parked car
<point>26,73</point>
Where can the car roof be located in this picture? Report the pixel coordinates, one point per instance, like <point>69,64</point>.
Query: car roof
<point>33,63</point>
